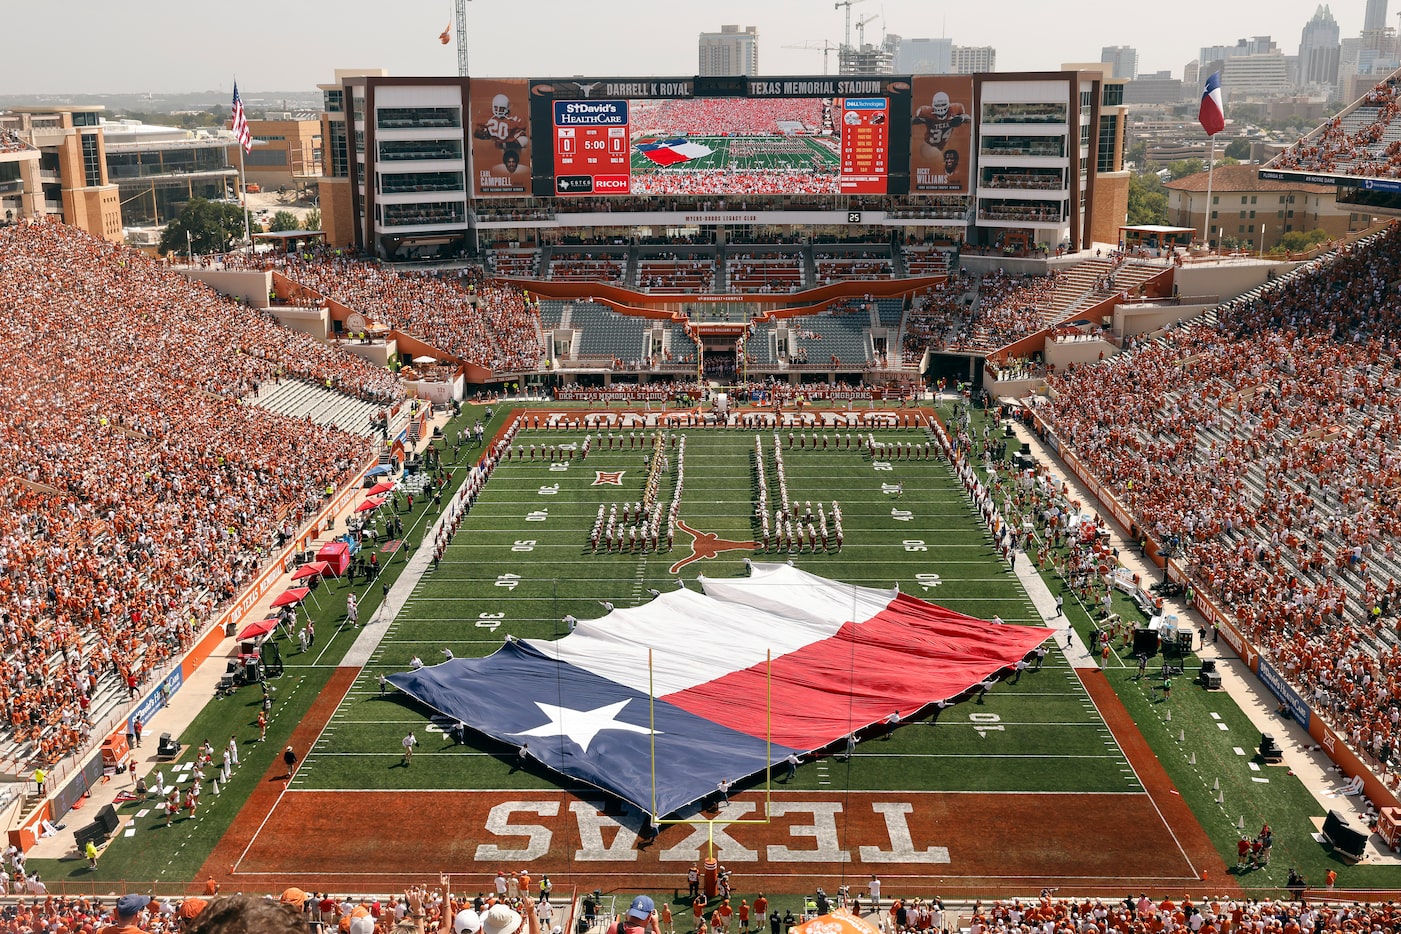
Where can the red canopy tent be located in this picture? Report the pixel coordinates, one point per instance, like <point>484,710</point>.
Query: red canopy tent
<point>254,630</point>
<point>374,502</point>
<point>295,595</point>
<point>384,486</point>
<point>336,555</point>
<point>314,569</point>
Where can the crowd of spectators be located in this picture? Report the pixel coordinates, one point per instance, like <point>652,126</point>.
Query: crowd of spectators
<point>726,116</point>
<point>10,141</point>
<point>1208,915</point>
<point>939,318</point>
<point>141,494</point>
<point>1008,308</point>
<point>818,180</point>
<point>1266,446</point>
<point>461,312</point>
<point>1333,149</point>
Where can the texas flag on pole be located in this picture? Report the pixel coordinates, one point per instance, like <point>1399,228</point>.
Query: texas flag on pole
<point>1212,113</point>
<point>690,675</point>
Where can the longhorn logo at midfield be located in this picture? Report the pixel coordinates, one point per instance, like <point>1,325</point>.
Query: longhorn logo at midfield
<point>706,545</point>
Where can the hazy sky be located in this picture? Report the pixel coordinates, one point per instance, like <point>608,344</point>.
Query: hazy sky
<point>164,46</point>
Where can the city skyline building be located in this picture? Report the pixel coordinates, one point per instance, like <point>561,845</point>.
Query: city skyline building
<point>1319,48</point>
<point>1124,58</point>
<point>730,52</point>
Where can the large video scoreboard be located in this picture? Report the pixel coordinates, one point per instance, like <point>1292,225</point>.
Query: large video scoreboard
<point>592,147</point>
<point>736,136</point>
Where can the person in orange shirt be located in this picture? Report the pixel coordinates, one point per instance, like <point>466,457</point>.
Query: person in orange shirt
<point>761,907</point>
<point>726,914</point>
<point>698,911</point>
<point>743,914</point>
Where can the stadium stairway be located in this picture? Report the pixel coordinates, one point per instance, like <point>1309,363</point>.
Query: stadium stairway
<point>300,399</point>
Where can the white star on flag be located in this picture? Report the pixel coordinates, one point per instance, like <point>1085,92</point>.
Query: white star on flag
<point>582,725</point>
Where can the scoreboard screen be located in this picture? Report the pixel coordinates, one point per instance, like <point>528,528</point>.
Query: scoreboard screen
<point>865,145</point>
<point>592,148</point>
<point>820,136</point>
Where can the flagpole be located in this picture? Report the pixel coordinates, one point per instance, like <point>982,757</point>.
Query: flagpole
<point>243,191</point>
<point>1206,214</point>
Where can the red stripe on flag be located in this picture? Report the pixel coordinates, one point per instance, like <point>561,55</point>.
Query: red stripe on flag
<point>908,656</point>
<point>665,157</point>
<point>240,123</point>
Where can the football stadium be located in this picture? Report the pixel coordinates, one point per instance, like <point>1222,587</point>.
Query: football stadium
<point>712,497</point>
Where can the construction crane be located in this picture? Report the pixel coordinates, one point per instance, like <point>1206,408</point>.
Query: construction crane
<point>824,48</point>
<point>846,37</point>
<point>461,9</point>
<point>861,30</point>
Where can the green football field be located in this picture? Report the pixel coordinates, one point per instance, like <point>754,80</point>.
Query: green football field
<point>725,156</point>
<point>518,565</point>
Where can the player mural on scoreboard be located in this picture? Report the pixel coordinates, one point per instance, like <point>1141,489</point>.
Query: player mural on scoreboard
<point>500,137</point>
<point>941,136</point>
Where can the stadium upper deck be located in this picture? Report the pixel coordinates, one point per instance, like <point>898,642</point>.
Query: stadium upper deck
<point>1358,150</point>
<point>427,167</point>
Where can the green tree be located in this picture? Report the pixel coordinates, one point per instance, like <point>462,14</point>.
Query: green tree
<point>1138,153</point>
<point>284,220</point>
<point>312,221</point>
<point>1238,149</point>
<point>1298,240</point>
<point>1147,200</point>
<point>212,227</point>
<point>1184,167</point>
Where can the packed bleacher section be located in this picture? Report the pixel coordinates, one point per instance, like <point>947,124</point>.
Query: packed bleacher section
<point>843,267</point>
<point>510,263</point>
<point>904,914</point>
<point>938,318</point>
<point>587,267</point>
<point>140,494</point>
<point>765,271</point>
<point>671,273</point>
<point>461,313</point>
<point>1008,308</point>
<point>1360,141</point>
<point>1263,444</point>
<point>1138,914</point>
<point>819,180</point>
<point>729,116</point>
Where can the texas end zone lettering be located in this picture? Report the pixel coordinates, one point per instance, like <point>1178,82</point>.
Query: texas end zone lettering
<point>799,832</point>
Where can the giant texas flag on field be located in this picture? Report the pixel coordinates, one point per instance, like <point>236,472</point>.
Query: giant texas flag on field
<point>673,151</point>
<point>1212,113</point>
<point>835,657</point>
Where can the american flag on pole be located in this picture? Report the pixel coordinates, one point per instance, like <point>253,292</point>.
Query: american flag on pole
<point>240,122</point>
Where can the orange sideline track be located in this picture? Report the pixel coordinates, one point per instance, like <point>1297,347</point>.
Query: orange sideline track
<point>952,844</point>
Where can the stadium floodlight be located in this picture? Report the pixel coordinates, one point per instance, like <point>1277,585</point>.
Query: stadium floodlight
<point>710,822</point>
